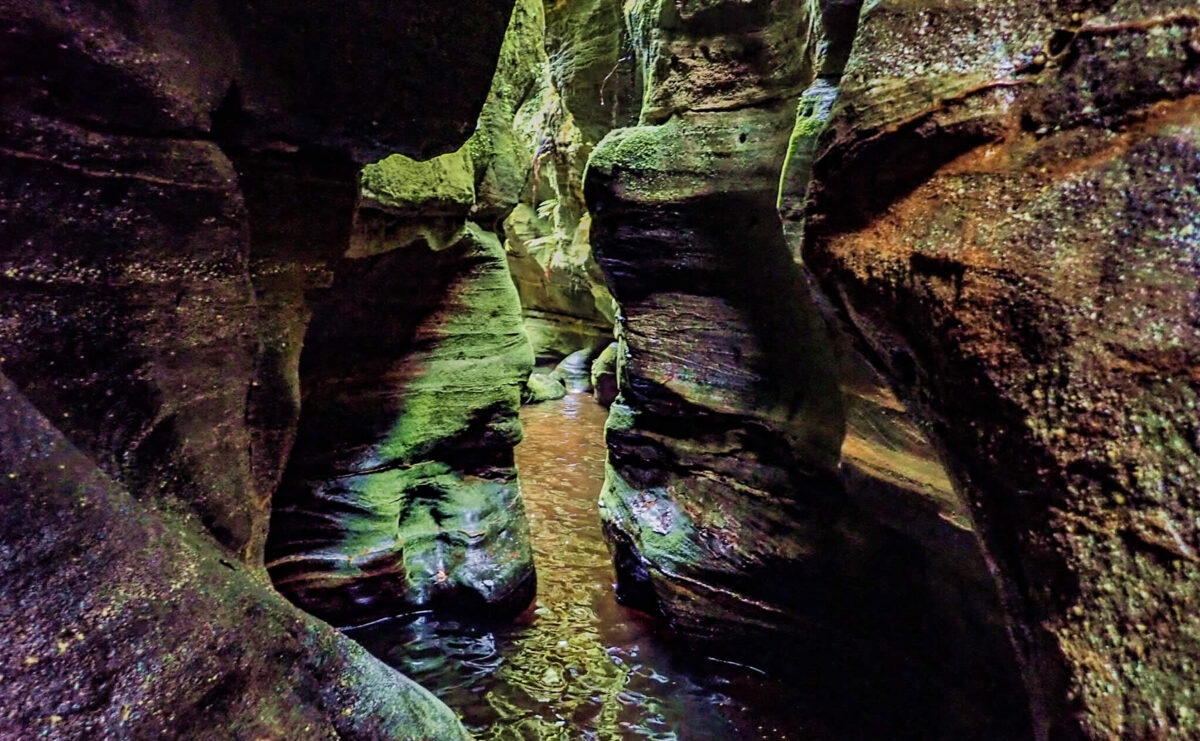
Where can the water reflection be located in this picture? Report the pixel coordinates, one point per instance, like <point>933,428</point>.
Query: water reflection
<point>577,665</point>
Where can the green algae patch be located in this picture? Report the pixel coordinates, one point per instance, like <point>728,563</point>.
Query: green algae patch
<point>696,154</point>
<point>402,182</point>
<point>812,116</point>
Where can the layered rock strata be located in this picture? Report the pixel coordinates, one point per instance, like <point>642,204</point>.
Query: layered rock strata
<point>123,621</point>
<point>1005,207</point>
<point>153,157</point>
<point>764,488</point>
<point>401,491</point>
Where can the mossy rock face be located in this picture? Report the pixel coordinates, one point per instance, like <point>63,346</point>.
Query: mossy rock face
<point>721,55</point>
<point>157,322</point>
<point>134,623</point>
<point>726,506</point>
<point>720,351</point>
<point>1006,201</point>
<point>697,154</point>
<point>812,115</point>
<point>604,375</point>
<point>412,373</point>
<point>593,64</point>
<point>528,154</point>
<point>503,153</point>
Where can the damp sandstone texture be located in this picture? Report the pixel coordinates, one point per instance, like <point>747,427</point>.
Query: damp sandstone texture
<point>904,296</point>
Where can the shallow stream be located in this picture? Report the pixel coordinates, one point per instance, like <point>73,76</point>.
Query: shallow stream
<point>577,665</point>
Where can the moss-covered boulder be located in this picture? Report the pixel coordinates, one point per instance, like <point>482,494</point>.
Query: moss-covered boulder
<point>442,184</point>
<point>543,387</point>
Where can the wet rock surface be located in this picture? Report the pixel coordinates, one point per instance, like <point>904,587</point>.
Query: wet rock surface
<point>122,621</point>
<point>571,48</point>
<point>1004,206</point>
<point>401,493</point>
<point>175,177</point>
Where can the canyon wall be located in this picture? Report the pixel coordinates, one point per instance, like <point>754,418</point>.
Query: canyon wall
<point>1004,207</point>
<point>767,492</point>
<point>176,179</point>
<point>583,87</point>
<point>401,492</point>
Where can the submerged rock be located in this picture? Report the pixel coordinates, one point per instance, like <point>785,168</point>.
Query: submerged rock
<point>543,387</point>
<point>575,371</point>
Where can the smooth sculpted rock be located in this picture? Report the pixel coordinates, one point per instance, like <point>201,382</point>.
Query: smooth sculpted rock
<point>530,152</point>
<point>731,422</point>
<point>1005,206</point>
<point>593,64</point>
<point>759,498</point>
<point>401,492</point>
<point>130,314</point>
<point>604,375</point>
<point>125,622</point>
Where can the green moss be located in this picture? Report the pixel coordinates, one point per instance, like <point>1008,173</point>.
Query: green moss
<point>401,181</point>
<point>662,532</point>
<point>638,148</point>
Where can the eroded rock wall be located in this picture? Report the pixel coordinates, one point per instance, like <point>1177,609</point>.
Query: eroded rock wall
<point>153,156</point>
<point>576,61</point>
<point>1005,206</point>
<point>765,487</point>
<point>401,492</point>
<point>122,621</point>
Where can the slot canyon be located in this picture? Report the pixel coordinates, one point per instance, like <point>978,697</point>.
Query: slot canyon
<point>600,369</point>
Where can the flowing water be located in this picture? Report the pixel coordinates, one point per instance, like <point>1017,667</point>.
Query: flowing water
<point>577,665</point>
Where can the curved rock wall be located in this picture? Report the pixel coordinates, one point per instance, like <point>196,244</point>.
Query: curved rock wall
<point>764,493</point>
<point>1005,207</point>
<point>576,61</point>
<point>122,621</point>
<point>172,179</point>
<point>401,491</point>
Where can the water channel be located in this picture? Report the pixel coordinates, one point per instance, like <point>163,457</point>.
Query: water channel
<point>577,665</point>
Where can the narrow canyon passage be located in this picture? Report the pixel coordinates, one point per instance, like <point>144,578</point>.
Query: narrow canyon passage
<point>576,664</point>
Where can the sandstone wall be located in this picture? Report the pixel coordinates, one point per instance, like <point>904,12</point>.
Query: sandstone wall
<point>1005,208</point>
<point>173,179</point>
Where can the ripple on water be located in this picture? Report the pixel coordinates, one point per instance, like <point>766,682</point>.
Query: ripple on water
<point>576,665</point>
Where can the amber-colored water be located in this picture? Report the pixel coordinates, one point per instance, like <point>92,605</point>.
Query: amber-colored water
<point>577,665</point>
